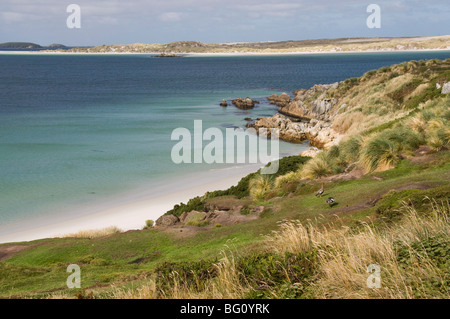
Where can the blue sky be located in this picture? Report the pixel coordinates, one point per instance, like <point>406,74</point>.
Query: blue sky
<point>163,21</point>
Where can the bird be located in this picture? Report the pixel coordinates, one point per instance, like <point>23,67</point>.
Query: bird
<point>331,201</point>
<point>320,191</point>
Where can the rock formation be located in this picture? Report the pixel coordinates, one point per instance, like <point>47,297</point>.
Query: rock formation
<point>308,116</point>
<point>167,220</point>
<point>244,104</point>
<point>311,103</point>
<point>279,100</point>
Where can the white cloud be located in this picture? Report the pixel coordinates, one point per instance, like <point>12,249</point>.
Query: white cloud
<point>171,16</point>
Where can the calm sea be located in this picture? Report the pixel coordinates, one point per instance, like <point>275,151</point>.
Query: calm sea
<point>78,128</point>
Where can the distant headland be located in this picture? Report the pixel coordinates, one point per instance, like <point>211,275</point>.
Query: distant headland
<point>361,44</point>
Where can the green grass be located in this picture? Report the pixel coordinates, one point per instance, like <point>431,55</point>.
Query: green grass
<point>103,261</point>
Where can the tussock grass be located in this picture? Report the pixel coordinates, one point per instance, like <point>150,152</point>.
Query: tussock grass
<point>350,148</point>
<point>439,139</point>
<point>378,154</point>
<point>338,257</point>
<point>283,180</point>
<point>317,167</point>
<point>343,122</point>
<point>344,255</point>
<point>259,187</point>
<point>94,233</point>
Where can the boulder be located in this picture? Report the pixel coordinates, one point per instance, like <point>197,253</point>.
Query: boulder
<point>167,220</point>
<point>244,104</point>
<point>223,103</point>
<point>194,217</point>
<point>279,100</point>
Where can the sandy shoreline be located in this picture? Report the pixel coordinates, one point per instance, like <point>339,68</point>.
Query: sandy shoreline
<point>219,54</point>
<point>127,212</point>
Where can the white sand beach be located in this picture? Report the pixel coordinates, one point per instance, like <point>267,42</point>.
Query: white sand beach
<point>129,211</point>
<point>225,54</point>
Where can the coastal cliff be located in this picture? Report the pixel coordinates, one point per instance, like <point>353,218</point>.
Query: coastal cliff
<point>325,113</point>
<point>307,116</point>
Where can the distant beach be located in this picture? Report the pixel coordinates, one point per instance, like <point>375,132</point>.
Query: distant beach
<point>225,54</point>
<point>128,211</point>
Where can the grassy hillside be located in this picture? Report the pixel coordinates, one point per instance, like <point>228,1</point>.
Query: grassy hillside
<point>19,45</point>
<point>389,177</point>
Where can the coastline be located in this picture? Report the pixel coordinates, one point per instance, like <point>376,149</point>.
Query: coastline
<point>223,54</point>
<point>128,212</point>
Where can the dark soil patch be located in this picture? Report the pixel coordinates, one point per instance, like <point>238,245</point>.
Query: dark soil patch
<point>8,251</point>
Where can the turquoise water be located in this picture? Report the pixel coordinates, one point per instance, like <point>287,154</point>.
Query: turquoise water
<point>75,129</point>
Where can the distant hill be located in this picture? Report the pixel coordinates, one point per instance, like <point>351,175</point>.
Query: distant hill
<point>302,46</point>
<point>57,46</point>
<point>19,45</point>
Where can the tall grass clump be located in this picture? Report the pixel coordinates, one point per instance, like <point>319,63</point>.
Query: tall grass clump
<point>350,149</point>
<point>317,167</point>
<point>433,126</point>
<point>438,139</point>
<point>288,178</point>
<point>94,233</point>
<point>410,266</point>
<point>310,260</point>
<point>378,153</point>
<point>403,138</point>
<point>259,187</point>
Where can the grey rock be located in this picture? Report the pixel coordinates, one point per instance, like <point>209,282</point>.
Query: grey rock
<point>167,220</point>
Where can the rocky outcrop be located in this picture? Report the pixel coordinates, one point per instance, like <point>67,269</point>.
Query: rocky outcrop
<point>312,103</point>
<point>307,117</point>
<point>312,152</point>
<point>193,216</point>
<point>244,104</point>
<point>279,100</point>
<point>319,133</point>
<point>224,205</point>
<point>168,55</point>
<point>167,220</point>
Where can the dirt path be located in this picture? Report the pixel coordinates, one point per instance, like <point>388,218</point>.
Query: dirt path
<point>374,199</point>
<point>8,251</point>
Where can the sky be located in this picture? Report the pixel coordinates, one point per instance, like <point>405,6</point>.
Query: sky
<point>164,21</point>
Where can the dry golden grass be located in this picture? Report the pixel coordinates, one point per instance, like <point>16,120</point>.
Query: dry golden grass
<point>343,122</point>
<point>343,258</point>
<point>259,187</point>
<point>94,233</point>
<point>227,285</point>
<point>344,255</point>
<point>287,178</point>
<point>417,123</point>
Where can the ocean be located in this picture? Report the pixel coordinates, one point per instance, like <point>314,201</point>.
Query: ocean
<point>77,129</point>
